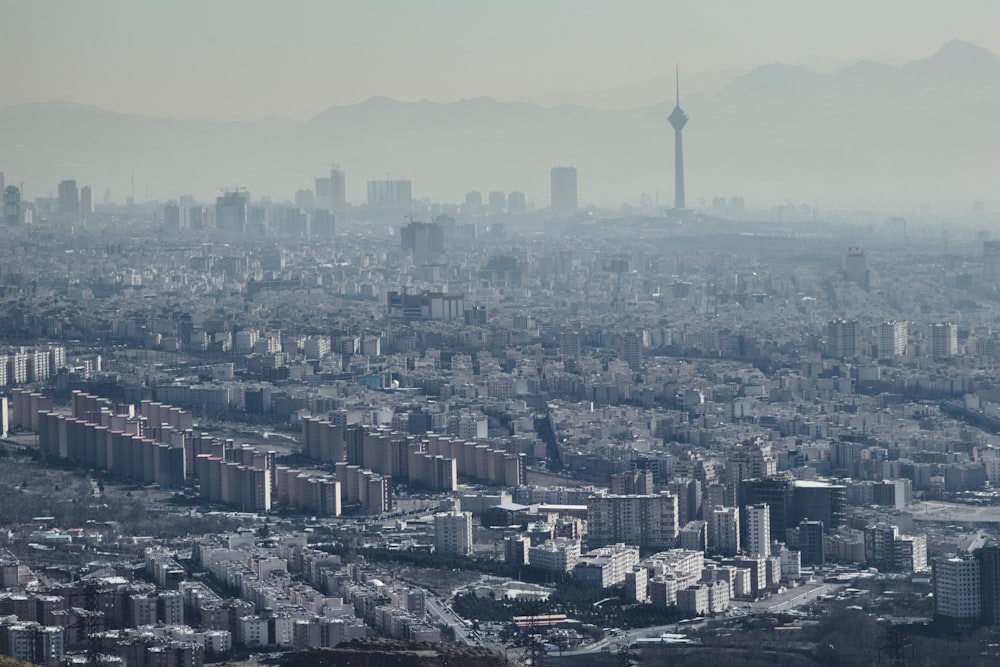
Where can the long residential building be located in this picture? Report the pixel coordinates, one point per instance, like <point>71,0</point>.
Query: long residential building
<point>646,521</point>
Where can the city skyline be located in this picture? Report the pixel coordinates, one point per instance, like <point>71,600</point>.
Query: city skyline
<point>777,136</point>
<point>330,54</point>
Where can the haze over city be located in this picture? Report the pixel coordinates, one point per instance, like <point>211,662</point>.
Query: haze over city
<point>563,333</point>
<point>855,134</point>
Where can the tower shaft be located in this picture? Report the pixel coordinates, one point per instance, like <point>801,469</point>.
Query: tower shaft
<point>678,169</point>
<point>678,119</point>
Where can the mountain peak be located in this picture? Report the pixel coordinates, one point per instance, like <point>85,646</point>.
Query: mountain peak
<point>958,50</point>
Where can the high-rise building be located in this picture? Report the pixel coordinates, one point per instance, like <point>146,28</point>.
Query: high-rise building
<point>678,119</point>
<point>516,203</point>
<point>758,530</point>
<point>856,268</point>
<point>633,482</point>
<point>991,262</point>
<point>473,202</point>
<point>516,549</point>
<point>944,340</point>
<point>324,199</point>
<point>957,594</point>
<point>390,196</point>
<point>811,546</point>
<point>453,533</point>
<point>231,211</point>
<point>776,493</point>
<point>646,521</point>
<point>69,198</point>
<point>989,581</point>
<point>86,200</point>
<point>174,217</point>
<point>892,339</point>
<point>820,501</point>
<point>630,350</point>
<point>724,531</point>
<point>338,190</point>
<point>880,547</point>
<point>563,190</point>
<point>498,202</point>
<point>842,338</point>
<point>12,214</point>
<point>423,239</point>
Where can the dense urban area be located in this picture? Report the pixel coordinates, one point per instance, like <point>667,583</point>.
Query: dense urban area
<point>240,431</point>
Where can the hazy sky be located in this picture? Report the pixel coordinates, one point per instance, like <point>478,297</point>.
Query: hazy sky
<point>224,59</point>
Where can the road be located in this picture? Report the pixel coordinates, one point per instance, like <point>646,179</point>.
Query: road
<point>795,597</point>
<point>790,599</point>
<point>440,612</point>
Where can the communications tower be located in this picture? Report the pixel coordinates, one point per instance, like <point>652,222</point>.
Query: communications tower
<point>678,119</point>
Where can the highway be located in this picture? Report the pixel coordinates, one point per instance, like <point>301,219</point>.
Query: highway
<point>790,599</point>
<point>439,612</point>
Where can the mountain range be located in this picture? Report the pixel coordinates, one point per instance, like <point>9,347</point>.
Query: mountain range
<point>869,135</point>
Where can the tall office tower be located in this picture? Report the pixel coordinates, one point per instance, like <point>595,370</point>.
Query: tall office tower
<point>473,202</point>
<point>498,202</point>
<point>423,239</point>
<point>516,203</point>
<point>634,482</point>
<point>944,340</point>
<point>197,217</point>
<point>678,119</point>
<point>12,205</point>
<point>758,530</point>
<point>957,589</point>
<point>69,198</point>
<point>338,190</point>
<point>880,547</point>
<point>811,545</point>
<point>231,211</point>
<point>305,199</point>
<point>570,343</point>
<point>777,494</point>
<point>842,338</point>
<point>856,267</point>
<point>820,501</point>
<point>991,262</point>
<point>174,217</point>
<point>2,182</point>
<point>453,533</point>
<point>323,224</point>
<point>324,199</point>
<point>630,350</point>
<point>724,531</point>
<point>390,196</point>
<point>563,190</point>
<point>86,200</point>
<point>989,581</point>
<point>892,339</point>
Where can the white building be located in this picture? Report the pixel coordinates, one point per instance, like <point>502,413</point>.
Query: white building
<point>956,589</point>
<point>607,566</point>
<point>944,340</point>
<point>892,339</point>
<point>558,555</point>
<point>758,530</point>
<point>724,531</point>
<point>453,533</point>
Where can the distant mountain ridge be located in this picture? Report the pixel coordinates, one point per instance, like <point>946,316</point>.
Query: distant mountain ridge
<point>867,135</point>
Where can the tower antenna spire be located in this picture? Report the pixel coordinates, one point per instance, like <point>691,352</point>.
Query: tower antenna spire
<point>677,82</point>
